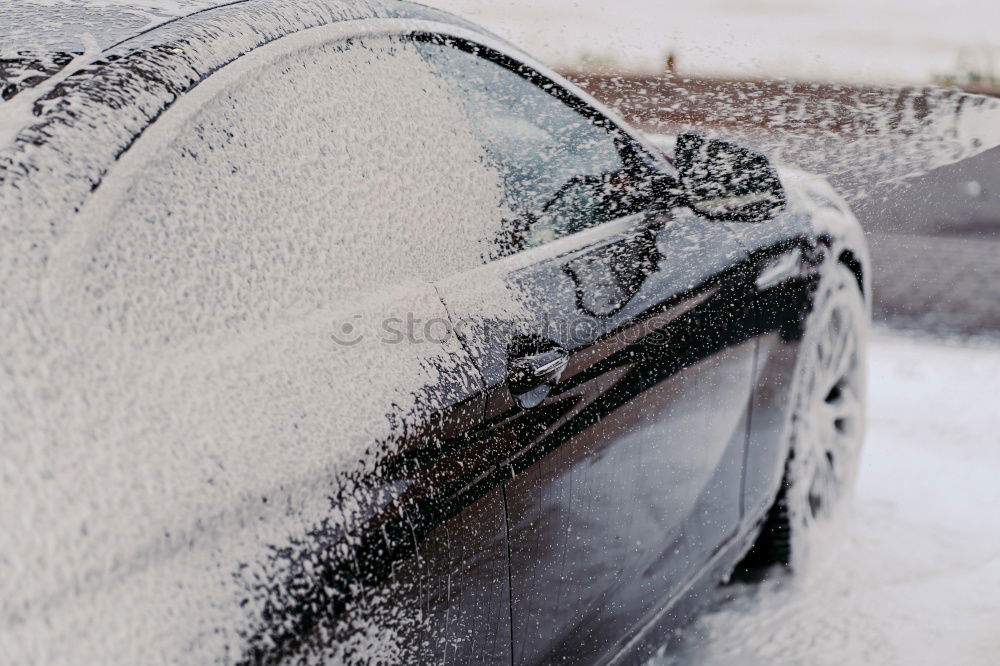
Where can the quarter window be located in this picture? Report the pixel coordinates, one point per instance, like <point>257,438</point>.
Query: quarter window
<point>331,173</point>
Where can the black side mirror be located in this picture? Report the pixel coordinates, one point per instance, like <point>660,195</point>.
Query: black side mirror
<point>725,181</point>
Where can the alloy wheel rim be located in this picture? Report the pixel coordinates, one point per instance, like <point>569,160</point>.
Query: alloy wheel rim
<point>830,415</point>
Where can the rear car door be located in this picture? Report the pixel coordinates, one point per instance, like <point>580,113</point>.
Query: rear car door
<point>617,386</point>
<point>270,463</point>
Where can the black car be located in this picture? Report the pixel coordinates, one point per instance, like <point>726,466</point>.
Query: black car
<point>348,333</point>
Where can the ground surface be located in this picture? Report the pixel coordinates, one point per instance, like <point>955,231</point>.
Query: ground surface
<point>914,577</point>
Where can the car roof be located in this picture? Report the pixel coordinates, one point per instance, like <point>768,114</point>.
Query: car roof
<point>36,26</point>
<point>38,37</point>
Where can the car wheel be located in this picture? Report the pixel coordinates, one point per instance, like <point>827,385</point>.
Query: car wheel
<point>827,424</point>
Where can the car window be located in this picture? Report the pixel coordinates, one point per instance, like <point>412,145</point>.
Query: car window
<point>562,172</point>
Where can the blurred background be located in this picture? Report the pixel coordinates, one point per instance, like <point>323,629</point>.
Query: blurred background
<point>896,102</point>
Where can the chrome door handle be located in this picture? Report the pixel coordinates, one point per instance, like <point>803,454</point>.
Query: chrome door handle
<point>531,378</point>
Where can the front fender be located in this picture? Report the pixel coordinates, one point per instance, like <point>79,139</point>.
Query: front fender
<point>794,252</point>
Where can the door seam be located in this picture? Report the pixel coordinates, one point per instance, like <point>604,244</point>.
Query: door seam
<point>454,329</point>
<point>503,484</point>
<point>510,582</point>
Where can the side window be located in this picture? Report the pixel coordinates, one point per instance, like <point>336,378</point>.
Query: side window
<point>561,171</point>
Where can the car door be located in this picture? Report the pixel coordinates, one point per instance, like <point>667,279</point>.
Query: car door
<point>273,461</point>
<point>617,382</point>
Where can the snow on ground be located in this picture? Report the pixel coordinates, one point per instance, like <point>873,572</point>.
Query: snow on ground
<point>914,578</point>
